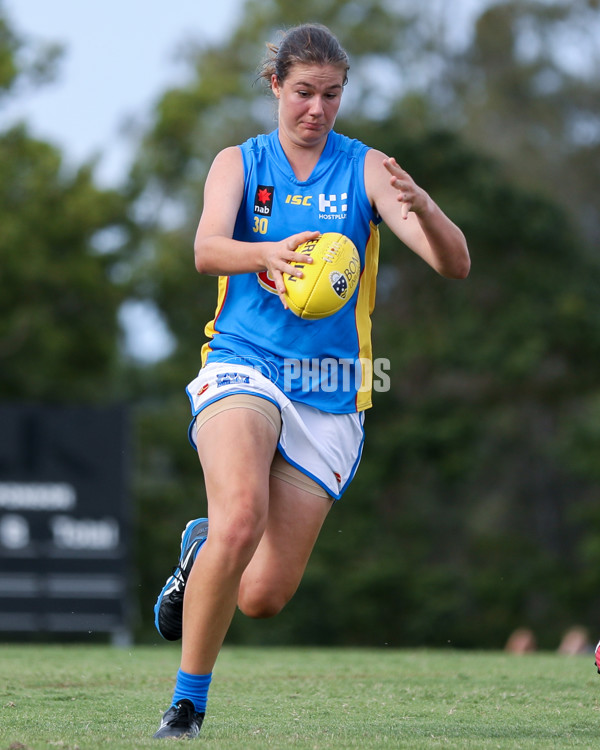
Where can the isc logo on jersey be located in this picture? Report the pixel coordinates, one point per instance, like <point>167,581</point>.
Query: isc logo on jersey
<point>299,200</point>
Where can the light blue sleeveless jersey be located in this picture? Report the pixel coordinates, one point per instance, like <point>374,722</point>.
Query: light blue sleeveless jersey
<point>323,363</point>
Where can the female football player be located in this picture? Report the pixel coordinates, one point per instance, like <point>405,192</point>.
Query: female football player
<point>279,438</point>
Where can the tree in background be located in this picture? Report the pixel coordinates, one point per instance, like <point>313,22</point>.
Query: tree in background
<point>468,515</point>
<point>60,287</point>
<point>527,89</point>
<point>475,509</point>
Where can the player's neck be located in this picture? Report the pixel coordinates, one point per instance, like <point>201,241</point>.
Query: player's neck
<point>303,158</point>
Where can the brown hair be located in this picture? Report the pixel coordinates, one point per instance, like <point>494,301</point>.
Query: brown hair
<point>308,44</point>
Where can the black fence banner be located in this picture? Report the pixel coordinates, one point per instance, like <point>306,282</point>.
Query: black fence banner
<point>65,520</point>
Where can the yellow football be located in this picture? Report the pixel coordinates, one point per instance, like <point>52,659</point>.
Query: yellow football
<point>329,282</point>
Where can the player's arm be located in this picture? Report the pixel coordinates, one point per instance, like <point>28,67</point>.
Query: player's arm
<point>414,217</point>
<point>215,252</point>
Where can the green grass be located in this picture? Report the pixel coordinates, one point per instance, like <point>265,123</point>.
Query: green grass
<point>90,697</point>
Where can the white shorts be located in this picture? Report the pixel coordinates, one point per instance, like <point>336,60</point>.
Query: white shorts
<point>325,447</point>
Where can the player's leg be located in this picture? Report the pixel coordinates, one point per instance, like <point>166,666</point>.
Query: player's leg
<point>276,568</point>
<point>235,447</point>
<point>328,447</point>
<point>168,610</point>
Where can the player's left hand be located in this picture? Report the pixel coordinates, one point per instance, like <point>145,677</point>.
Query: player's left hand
<point>410,195</point>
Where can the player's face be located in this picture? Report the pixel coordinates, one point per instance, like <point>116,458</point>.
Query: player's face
<point>309,100</point>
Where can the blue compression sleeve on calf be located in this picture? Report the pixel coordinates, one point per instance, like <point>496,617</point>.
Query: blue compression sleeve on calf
<point>194,687</point>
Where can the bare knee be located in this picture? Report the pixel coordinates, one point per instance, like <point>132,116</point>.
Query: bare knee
<point>260,603</point>
<point>261,610</point>
<point>236,538</point>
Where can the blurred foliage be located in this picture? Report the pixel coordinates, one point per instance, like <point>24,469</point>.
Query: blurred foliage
<point>59,256</point>
<point>24,60</point>
<point>59,330</point>
<point>475,508</point>
<point>466,489</point>
<point>528,90</point>
<point>8,47</point>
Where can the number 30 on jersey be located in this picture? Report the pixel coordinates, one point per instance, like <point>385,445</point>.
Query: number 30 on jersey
<point>261,225</point>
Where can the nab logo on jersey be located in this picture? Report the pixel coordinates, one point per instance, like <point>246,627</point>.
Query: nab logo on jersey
<point>263,200</point>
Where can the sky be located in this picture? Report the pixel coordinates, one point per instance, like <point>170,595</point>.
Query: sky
<point>120,55</point>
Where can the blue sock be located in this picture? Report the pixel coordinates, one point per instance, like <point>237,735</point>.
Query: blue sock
<point>194,687</point>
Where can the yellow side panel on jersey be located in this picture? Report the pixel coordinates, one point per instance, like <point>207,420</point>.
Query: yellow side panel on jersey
<point>364,307</point>
<point>210,329</point>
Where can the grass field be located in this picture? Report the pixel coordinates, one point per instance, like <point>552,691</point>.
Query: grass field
<point>90,697</point>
